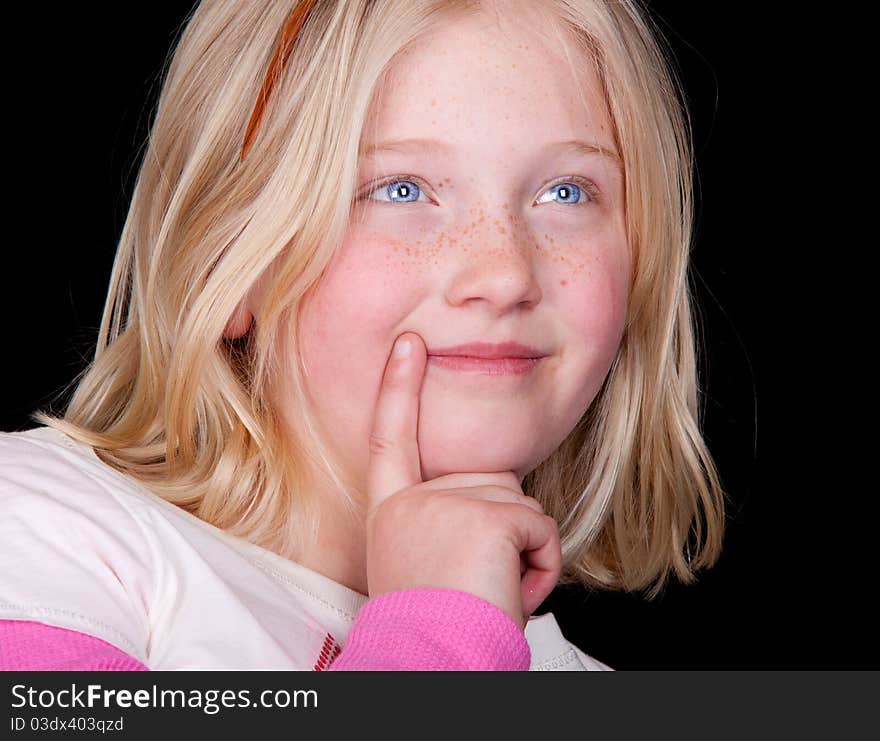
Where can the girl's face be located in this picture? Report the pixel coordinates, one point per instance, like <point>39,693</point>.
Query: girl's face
<point>479,219</point>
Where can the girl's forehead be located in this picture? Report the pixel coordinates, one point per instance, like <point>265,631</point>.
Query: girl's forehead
<point>474,80</point>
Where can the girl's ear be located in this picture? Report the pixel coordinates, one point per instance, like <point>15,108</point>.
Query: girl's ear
<point>240,321</point>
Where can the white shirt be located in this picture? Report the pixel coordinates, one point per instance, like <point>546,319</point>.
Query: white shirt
<point>88,549</point>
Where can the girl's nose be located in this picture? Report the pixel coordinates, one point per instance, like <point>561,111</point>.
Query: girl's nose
<point>499,270</point>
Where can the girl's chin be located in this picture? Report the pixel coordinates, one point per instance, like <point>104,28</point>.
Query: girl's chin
<point>430,472</point>
<point>471,461</point>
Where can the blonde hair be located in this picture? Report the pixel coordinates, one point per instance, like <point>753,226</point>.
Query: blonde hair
<point>174,405</point>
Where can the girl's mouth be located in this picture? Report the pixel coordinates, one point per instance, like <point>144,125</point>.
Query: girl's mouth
<point>486,366</point>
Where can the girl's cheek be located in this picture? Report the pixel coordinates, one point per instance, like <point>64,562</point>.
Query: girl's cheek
<point>372,284</point>
<point>575,259</point>
<point>588,282</point>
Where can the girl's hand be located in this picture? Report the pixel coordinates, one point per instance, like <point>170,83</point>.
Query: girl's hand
<point>474,532</point>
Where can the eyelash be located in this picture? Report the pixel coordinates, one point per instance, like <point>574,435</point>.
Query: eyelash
<point>591,190</point>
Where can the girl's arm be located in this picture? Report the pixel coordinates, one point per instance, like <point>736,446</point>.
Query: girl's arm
<point>433,629</point>
<point>414,630</point>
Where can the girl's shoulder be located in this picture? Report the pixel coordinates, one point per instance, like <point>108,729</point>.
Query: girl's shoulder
<point>44,452</point>
<point>76,551</point>
<point>46,470</point>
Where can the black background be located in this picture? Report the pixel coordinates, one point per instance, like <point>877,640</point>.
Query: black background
<point>785,391</point>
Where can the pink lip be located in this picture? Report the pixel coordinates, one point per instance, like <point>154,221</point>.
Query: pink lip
<point>502,359</point>
<point>487,366</point>
<point>488,350</point>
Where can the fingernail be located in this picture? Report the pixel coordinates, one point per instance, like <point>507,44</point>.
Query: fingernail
<point>401,348</point>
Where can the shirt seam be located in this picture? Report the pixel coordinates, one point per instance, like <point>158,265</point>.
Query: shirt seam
<point>91,622</point>
<point>287,580</point>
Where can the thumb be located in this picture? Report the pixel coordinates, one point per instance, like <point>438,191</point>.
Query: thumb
<point>394,449</point>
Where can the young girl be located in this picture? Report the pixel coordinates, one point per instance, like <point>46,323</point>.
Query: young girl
<point>398,337</point>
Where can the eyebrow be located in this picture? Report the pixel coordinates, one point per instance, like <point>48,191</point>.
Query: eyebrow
<point>568,145</point>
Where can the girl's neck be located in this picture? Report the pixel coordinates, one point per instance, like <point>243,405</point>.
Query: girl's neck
<point>340,557</point>
<point>340,546</point>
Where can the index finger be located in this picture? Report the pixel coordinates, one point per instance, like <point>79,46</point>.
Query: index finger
<point>394,450</point>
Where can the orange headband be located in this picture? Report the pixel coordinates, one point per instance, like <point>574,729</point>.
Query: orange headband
<point>283,50</point>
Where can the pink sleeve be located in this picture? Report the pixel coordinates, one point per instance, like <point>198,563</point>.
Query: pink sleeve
<point>410,630</point>
<point>432,630</point>
<point>32,646</point>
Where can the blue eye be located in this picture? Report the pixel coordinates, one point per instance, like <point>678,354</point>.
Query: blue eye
<point>568,192</point>
<point>396,191</point>
<point>403,189</point>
